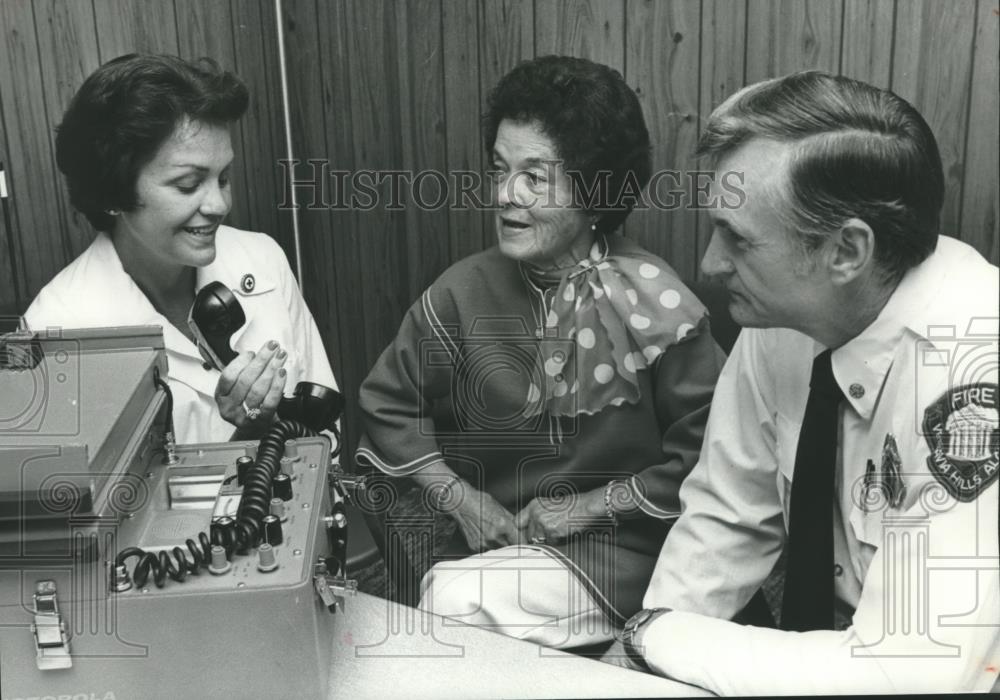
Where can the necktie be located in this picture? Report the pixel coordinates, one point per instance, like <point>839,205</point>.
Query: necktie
<point>808,598</point>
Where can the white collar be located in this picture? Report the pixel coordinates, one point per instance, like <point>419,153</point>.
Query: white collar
<point>862,364</point>
<point>234,266</point>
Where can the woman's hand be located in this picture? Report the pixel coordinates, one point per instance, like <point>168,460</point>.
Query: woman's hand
<point>484,522</point>
<point>250,389</point>
<point>553,520</point>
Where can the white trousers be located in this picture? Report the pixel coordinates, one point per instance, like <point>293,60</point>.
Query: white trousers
<point>521,591</point>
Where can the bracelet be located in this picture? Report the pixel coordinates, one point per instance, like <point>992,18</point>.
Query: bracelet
<point>608,509</point>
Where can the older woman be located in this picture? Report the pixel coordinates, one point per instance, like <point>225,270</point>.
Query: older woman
<point>550,393</point>
<point>146,151</point>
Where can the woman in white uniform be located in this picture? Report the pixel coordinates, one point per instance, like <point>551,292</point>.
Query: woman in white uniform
<point>146,151</point>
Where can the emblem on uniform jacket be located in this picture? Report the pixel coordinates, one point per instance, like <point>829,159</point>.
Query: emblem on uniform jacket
<point>248,283</point>
<point>962,429</point>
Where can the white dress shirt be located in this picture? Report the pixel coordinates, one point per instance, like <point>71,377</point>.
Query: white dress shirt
<point>919,567</point>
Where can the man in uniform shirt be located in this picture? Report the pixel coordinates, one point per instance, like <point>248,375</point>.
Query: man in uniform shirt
<point>868,365</point>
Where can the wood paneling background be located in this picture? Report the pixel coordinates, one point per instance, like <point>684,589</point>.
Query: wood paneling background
<point>383,85</point>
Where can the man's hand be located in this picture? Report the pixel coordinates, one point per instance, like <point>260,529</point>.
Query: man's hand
<point>616,656</point>
<point>553,520</point>
<point>252,383</point>
<point>484,522</point>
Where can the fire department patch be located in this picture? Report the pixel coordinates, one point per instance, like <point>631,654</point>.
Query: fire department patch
<point>962,429</point>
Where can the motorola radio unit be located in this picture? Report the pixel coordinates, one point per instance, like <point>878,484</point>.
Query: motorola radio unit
<point>133,567</point>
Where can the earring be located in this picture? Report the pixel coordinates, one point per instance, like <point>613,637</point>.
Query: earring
<point>593,227</point>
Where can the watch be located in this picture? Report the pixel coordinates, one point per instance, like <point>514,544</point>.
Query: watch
<point>631,629</point>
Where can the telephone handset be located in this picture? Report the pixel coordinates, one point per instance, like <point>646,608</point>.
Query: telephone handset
<point>314,405</point>
<point>215,315</point>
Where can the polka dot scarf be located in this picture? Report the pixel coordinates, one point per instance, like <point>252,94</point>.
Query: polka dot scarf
<point>609,317</point>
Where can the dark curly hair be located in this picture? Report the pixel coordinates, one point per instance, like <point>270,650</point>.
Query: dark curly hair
<point>123,113</point>
<point>595,121</point>
<point>859,151</point>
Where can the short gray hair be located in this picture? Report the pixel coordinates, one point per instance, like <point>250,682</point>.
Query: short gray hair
<point>859,152</point>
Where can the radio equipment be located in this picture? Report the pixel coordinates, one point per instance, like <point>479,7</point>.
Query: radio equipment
<point>128,569</point>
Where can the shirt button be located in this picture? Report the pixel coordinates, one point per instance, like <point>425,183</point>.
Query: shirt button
<point>856,391</point>
<point>838,570</point>
<point>558,377</point>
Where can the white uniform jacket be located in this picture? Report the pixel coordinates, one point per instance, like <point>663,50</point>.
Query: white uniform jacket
<point>916,554</point>
<point>94,291</point>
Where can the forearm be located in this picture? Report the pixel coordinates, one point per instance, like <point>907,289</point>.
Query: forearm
<point>441,482</point>
<point>396,402</point>
<point>731,659</point>
<point>732,528</point>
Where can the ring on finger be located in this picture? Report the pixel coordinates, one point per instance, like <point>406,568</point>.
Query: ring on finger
<point>251,413</point>
<point>537,539</point>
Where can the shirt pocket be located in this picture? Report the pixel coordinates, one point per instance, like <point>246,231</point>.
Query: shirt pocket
<point>869,500</point>
<point>867,521</point>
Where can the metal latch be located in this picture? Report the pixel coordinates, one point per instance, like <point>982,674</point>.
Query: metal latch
<point>332,589</point>
<point>51,641</point>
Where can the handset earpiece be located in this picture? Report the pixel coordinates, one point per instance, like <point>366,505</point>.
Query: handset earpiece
<point>315,405</point>
<point>215,315</point>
